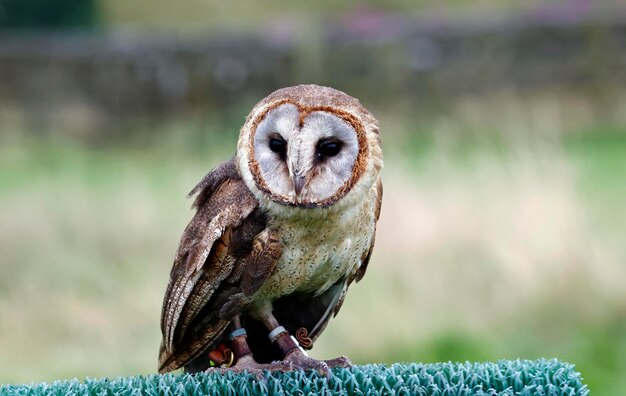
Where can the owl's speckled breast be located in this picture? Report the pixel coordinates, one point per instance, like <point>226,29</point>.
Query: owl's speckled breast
<point>319,250</point>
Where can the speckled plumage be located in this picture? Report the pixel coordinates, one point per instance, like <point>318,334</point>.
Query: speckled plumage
<point>256,248</point>
<point>319,249</point>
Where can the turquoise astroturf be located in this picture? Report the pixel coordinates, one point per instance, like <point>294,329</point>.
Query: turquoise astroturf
<point>517,377</point>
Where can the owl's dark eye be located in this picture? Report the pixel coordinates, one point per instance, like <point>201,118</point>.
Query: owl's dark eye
<point>328,148</point>
<point>278,145</point>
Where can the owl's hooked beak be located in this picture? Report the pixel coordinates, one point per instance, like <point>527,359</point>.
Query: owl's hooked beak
<point>298,184</point>
<point>297,170</point>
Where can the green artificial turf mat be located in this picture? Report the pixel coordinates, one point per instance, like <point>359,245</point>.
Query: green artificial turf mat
<point>518,377</point>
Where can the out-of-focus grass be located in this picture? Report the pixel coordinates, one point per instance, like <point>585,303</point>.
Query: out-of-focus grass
<point>497,240</point>
<point>246,15</point>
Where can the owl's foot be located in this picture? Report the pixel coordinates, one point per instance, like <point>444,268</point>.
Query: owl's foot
<point>301,361</point>
<point>247,364</point>
<point>244,361</point>
<point>296,356</point>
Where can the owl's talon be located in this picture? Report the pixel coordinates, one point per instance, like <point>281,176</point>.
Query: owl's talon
<point>341,361</point>
<point>303,362</point>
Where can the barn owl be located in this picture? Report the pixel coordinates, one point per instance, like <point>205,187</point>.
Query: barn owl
<point>281,231</point>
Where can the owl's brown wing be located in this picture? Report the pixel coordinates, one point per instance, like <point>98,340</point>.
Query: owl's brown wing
<point>314,312</point>
<point>225,254</point>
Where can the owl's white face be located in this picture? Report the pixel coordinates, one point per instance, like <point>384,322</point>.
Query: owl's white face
<point>305,158</point>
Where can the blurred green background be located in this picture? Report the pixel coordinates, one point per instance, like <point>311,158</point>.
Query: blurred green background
<point>503,228</point>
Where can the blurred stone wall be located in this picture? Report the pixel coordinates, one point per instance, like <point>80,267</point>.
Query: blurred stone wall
<point>113,79</point>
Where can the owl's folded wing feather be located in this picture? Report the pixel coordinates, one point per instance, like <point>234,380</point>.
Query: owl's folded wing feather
<point>209,281</point>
